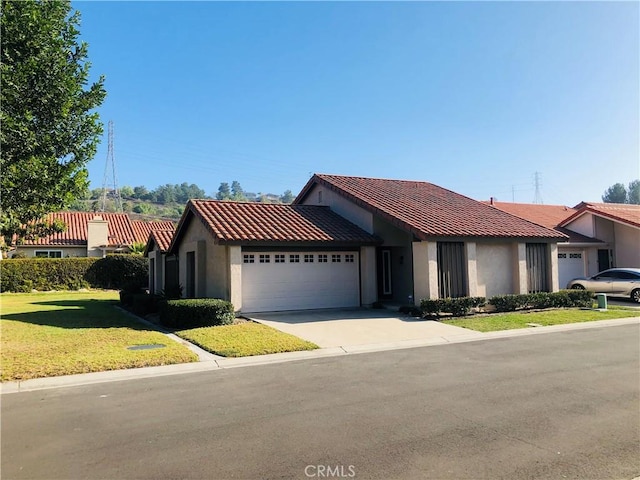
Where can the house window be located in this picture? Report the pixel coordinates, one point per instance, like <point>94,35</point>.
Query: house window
<point>562,255</point>
<point>349,258</point>
<point>322,258</point>
<point>249,259</point>
<point>308,258</point>
<point>279,258</point>
<point>336,258</point>
<point>320,196</point>
<point>452,278</point>
<point>48,253</point>
<point>537,272</point>
<point>265,258</point>
<point>294,258</point>
<point>575,255</point>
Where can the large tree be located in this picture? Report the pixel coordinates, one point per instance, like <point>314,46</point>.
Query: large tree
<point>633,192</point>
<point>616,193</point>
<point>49,127</point>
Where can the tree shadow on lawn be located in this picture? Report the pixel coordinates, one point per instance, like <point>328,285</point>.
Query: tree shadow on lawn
<point>79,314</point>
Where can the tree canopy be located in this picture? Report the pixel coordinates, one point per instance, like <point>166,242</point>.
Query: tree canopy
<point>49,127</point>
<point>618,193</point>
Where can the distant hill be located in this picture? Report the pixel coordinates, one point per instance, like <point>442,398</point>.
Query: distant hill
<point>167,202</point>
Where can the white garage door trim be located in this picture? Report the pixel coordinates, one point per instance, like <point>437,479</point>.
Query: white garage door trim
<point>298,280</point>
<point>570,265</point>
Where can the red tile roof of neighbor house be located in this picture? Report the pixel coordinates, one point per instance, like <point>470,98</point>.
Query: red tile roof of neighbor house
<point>621,212</point>
<point>142,229</point>
<point>427,210</point>
<point>550,216</point>
<point>250,222</point>
<point>121,229</point>
<point>162,238</point>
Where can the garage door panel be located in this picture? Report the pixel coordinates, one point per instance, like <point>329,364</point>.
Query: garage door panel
<point>298,286</point>
<point>570,265</point>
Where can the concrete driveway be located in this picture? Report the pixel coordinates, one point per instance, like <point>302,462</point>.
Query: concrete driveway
<point>357,326</point>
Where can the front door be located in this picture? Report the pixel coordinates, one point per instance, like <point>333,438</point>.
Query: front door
<point>604,259</point>
<point>385,288</point>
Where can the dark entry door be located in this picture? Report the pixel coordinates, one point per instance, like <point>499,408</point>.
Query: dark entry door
<point>604,259</point>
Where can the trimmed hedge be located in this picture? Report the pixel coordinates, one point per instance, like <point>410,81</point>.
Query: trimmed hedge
<point>26,274</point>
<point>198,312</point>
<point>541,300</point>
<point>120,272</point>
<point>456,306</point>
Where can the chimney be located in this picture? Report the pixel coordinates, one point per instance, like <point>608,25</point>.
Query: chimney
<point>491,201</point>
<point>97,236</point>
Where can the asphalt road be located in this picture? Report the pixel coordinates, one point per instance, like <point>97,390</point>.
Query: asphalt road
<point>561,405</point>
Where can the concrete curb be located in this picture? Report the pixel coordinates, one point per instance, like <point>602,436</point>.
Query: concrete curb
<point>219,363</point>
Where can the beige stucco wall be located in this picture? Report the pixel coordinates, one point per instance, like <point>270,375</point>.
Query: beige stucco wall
<point>627,246</point>
<point>235,277</point>
<point>519,268</point>
<point>212,272</point>
<point>425,271</point>
<point>583,225</point>
<point>341,206</point>
<point>158,281</point>
<point>97,236</point>
<point>368,280</point>
<point>495,268</point>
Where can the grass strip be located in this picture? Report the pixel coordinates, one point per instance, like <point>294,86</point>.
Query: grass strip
<point>64,333</point>
<point>508,321</point>
<point>244,339</point>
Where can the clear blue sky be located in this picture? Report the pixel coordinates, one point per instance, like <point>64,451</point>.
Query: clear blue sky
<point>474,97</point>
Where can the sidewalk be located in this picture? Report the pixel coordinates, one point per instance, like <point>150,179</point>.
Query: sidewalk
<point>212,362</point>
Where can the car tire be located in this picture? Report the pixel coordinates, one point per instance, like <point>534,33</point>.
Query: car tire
<point>635,295</point>
<point>577,286</point>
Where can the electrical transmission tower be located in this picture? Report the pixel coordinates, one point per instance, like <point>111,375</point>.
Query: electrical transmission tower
<point>537,183</point>
<point>110,182</point>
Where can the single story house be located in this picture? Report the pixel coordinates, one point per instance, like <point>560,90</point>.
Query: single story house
<point>163,271</point>
<point>89,234</point>
<point>351,241</point>
<point>600,235</point>
<point>618,225</point>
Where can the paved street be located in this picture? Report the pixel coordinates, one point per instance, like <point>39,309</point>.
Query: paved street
<point>558,405</point>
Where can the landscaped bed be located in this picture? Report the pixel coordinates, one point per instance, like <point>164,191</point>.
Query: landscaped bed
<point>62,333</point>
<point>244,339</point>
<point>509,321</point>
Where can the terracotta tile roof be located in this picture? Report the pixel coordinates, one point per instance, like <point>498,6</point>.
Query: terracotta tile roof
<point>620,212</point>
<point>120,231</point>
<point>162,238</point>
<point>262,223</point>
<point>549,216</point>
<point>142,229</point>
<point>427,210</point>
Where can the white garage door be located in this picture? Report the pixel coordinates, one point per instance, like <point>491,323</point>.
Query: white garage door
<point>274,281</point>
<point>570,266</point>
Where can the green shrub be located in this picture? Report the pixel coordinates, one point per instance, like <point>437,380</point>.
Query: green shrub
<point>143,303</point>
<point>509,303</point>
<point>455,306</point>
<point>193,313</point>
<point>120,272</point>
<point>25,274</point>
<point>542,300</point>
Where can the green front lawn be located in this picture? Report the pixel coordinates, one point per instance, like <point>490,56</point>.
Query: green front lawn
<point>244,339</point>
<point>63,333</point>
<point>508,321</point>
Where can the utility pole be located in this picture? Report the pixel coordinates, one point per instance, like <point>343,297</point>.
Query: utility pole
<point>537,183</point>
<point>113,181</point>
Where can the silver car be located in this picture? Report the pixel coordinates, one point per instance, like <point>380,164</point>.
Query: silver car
<point>617,282</point>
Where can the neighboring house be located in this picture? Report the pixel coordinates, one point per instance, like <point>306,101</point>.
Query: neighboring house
<point>618,225</point>
<point>89,234</point>
<point>600,235</point>
<point>163,270</point>
<point>575,255</point>
<point>351,241</point>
